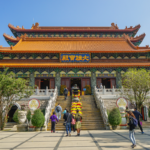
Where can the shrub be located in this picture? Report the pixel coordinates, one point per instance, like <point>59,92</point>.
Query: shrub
<point>114,117</point>
<point>88,90</point>
<point>29,115</point>
<point>62,87</point>
<point>15,116</point>
<point>149,113</point>
<point>38,118</point>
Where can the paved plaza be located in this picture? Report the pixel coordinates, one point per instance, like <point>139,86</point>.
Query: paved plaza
<point>89,140</point>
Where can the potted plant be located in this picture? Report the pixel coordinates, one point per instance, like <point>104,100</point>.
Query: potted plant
<point>88,90</point>
<point>62,87</point>
<point>38,119</point>
<point>114,118</point>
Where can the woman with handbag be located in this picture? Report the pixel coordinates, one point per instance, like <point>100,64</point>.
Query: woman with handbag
<point>53,122</point>
<point>78,119</point>
<point>73,123</point>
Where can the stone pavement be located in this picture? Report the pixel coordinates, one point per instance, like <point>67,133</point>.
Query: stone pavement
<point>89,140</point>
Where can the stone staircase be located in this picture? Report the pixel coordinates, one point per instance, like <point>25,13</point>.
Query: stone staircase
<point>92,119</point>
<point>64,104</point>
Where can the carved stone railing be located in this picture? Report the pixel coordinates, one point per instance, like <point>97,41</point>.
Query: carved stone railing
<point>43,92</point>
<point>100,105</point>
<point>50,105</point>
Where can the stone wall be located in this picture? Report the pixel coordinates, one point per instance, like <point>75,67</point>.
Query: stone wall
<point>25,102</point>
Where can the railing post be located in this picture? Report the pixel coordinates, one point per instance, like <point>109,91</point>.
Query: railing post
<point>37,90</point>
<point>104,90</point>
<point>46,91</point>
<point>113,91</point>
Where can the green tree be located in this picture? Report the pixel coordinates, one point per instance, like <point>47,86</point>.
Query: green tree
<point>38,118</point>
<point>114,117</point>
<point>11,90</point>
<point>136,83</point>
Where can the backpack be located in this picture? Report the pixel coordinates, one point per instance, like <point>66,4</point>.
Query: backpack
<point>135,122</point>
<point>58,109</point>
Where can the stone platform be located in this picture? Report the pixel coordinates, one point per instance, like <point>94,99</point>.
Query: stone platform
<point>89,140</point>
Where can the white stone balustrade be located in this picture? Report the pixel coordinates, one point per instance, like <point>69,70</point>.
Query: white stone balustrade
<point>46,91</point>
<point>50,106</point>
<point>100,105</point>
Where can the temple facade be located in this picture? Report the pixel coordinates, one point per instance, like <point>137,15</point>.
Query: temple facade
<point>55,56</point>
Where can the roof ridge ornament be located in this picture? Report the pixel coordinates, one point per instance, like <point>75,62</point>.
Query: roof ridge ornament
<point>23,37</point>
<point>36,26</point>
<point>114,26</point>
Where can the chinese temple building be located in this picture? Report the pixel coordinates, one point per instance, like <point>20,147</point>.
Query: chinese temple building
<point>55,56</point>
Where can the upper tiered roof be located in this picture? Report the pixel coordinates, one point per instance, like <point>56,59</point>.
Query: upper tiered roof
<point>74,45</point>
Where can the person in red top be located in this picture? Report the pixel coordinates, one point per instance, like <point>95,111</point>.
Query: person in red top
<point>73,123</point>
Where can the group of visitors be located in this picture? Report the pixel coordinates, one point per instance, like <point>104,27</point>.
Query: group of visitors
<point>133,122</point>
<point>70,121</point>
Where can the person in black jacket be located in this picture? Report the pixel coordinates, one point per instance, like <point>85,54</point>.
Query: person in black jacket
<point>65,92</point>
<point>131,129</point>
<point>68,119</point>
<point>137,114</point>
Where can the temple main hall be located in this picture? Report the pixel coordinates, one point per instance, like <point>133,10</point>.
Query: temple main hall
<point>55,56</point>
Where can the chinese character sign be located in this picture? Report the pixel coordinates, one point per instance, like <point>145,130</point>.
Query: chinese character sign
<point>75,57</point>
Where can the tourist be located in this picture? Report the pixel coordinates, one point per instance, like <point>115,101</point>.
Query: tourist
<point>131,128</point>
<point>137,114</point>
<point>53,122</point>
<point>68,119</point>
<point>58,111</point>
<point>64,111</point>
<point>78,119</point>
<point>73,123</point>
<point>65,92</point>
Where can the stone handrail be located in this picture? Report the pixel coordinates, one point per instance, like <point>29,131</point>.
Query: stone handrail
<point>100,105</point>
<point>50,105</point>
<point>46,91</point>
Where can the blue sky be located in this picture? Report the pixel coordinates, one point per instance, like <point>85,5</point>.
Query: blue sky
<point>75,13</point>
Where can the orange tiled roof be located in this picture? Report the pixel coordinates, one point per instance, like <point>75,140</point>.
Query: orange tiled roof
<point>48,45</point>
<point>72,65</point>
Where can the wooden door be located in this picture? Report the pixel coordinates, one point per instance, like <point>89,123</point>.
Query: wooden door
<point>52,83</point>
<point>112,82</point>
<point>66,81</point>
<point>38,83</point>
<point>98,82</point>
<point>85,82</point>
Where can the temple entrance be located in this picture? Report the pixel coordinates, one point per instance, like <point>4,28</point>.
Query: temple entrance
<point>106,82</point>
<point>44,83</point>
<point>76,81</point>
<point>11,113</point>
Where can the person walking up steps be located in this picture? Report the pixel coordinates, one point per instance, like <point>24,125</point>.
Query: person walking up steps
<point>53,122</point>
<point>137,114</point>
<point>73,123</point>
<point>58,111</point>
<point>68,119</point>
<point>65,92</point>
<point>78,119</point>
<point>132,124</point>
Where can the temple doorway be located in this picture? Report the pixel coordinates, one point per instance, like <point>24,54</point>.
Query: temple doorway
<point>76,81</point>
<point>11,113</point>
<point>106,82</point>
<point>44,83</point>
